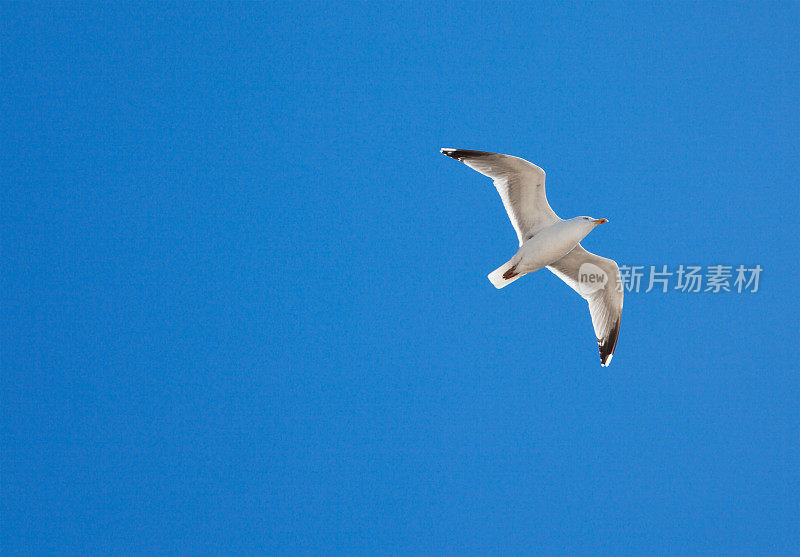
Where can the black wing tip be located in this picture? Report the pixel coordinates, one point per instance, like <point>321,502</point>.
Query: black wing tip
<point>461,154</point>
<point>608,345</point>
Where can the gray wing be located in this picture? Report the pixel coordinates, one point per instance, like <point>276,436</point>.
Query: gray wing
<point>521,187</point>
<point>605,304</point>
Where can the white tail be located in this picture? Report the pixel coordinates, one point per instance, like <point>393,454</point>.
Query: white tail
<point>496,276</point>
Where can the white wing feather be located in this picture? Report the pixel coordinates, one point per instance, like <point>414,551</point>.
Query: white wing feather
<point>605,304</point>
<point>521,187</point>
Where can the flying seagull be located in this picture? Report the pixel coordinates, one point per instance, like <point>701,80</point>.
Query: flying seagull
<point>545,240</point>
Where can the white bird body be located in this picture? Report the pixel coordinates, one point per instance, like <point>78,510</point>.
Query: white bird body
<point>547,246</point>
<point>547,241</point>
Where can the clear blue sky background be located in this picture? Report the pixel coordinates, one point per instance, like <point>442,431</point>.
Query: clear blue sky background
<point>244,297</point>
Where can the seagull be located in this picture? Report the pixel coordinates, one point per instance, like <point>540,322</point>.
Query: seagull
<point>545,240</point>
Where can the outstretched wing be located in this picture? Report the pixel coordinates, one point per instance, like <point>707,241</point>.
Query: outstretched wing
<point>521,187</point>
<point>605,303</point>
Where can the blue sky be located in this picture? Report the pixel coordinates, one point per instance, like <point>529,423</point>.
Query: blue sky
<point>245,305</point>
